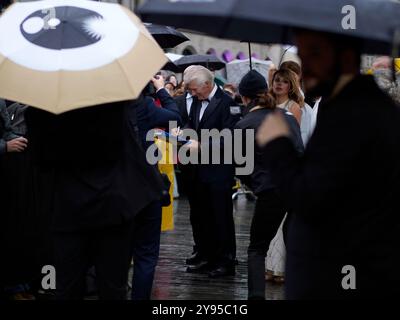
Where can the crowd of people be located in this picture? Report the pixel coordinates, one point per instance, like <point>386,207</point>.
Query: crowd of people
<point>78,193</point>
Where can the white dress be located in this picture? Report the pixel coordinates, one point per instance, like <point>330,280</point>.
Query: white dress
<point>276,255</point>
<point>306,123</point>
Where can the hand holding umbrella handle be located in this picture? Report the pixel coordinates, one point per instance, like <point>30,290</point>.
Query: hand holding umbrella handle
<point>158,82</point>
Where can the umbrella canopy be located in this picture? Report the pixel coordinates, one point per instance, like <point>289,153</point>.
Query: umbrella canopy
<point>173,56</point>
<point>170,65</point>
<point>60,55</point>
<point>279,54</point>
<point>207,60</point>
<point>166,37</point>
<point>237,69</point>
<point>270,21</point>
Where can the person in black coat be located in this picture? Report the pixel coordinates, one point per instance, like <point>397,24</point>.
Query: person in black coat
<point>343,235</point>
<point>149,115</point>
<point>147,223</point>
<point>101,181</point>
<point>211,210</point>
<point>270,208</point>
<point>17,236</point>
<point>183,176</point>
<point>184,102</point>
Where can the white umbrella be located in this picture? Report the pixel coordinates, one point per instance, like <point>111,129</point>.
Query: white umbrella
<point>279,54</point>
<point>236,69</point>
<point>60,55</point>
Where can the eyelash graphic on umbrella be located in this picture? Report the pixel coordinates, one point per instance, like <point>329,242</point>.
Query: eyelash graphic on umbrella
<point>68,35</point>
<point>95,27</point>
<point>45,32</point>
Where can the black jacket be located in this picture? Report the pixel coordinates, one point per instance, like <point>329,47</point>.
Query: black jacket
<point>344,194</point>
<point>218,115</point>
<point>6,133</point>
<point>260,180</point>
<point>149,116</point>
<point>101,174</point>
<point>182,107</point>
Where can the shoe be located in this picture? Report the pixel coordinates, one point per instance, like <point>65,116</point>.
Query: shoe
<point>278,279</point>
<point>202,267</point>
<point>222,271</point>
<point>269,276</point>
<point>194,259</point>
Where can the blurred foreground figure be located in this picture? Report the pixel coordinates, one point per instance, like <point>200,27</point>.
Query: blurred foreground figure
<point>101,181</point>
<point>343,230</point>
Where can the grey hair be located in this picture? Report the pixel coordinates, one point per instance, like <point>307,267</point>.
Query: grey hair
<point>198,74</point>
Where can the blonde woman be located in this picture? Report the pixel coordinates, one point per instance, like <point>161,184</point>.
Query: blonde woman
<point>287,93</point>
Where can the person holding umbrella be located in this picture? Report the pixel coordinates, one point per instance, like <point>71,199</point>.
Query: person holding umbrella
<point>79,128</point>
<point>145,115</point>
<point>344,226</point>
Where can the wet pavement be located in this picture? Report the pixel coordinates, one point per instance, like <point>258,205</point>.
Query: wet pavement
<point>173,283</point>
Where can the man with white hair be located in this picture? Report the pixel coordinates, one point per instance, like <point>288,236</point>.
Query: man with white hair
<point>211,210</point>
<point>184,101</point>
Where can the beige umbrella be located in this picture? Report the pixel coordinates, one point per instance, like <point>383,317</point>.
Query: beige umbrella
<point>61,55</point>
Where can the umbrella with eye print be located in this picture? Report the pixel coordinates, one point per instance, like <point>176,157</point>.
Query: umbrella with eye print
<point>60,55</point>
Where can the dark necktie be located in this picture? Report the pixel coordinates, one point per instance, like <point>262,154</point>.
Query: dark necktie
<point>195,111</point>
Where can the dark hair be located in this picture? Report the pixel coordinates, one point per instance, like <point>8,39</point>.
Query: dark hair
<point>264,100</point>
<point>170,84</point>
<point>4,4</point>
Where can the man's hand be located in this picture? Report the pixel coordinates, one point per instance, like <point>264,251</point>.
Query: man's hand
<point>158,82</point>
<point>193,145</point>
<point>176,132</point>
<point>17,144</point>
<point>274,126</point>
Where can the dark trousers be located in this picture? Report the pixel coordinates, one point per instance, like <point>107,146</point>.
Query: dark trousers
<point>268,215</point>
<point>211,216</point>
<point>146,248</point>
<point>107,249</point>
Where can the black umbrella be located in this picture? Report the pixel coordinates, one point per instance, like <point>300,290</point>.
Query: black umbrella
<point>270,21</point>
<point>207,60</point>
<point>166,37</point>
<point>170,66</point>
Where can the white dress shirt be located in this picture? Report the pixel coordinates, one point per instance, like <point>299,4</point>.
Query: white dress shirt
<point>189,101</point>
<point>204,103</point>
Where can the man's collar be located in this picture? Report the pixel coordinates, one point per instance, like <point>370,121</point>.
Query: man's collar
<point>212,94</point>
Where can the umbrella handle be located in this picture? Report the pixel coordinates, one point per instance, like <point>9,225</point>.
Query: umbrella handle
<point>250,57</point>
<point>395,53</point>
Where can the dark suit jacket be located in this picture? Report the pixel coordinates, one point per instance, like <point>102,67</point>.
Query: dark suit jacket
<point>149,116</point>
<point>260,180</point>
<point>218,115</point>
<point>181,103</point>
<point>344,195</point>
<point>101,174</point>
